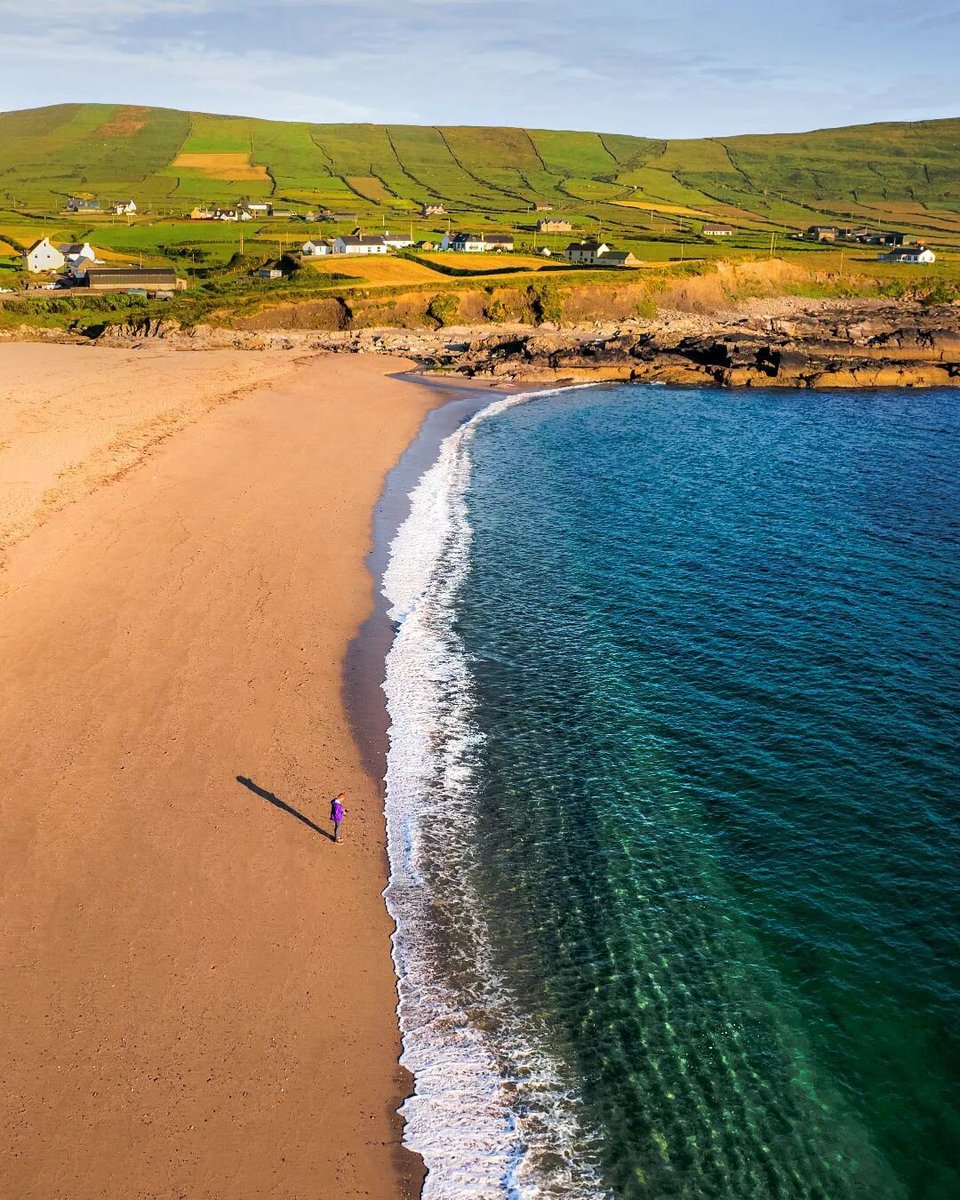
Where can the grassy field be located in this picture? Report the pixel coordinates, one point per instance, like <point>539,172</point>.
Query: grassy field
<point>645,195</point>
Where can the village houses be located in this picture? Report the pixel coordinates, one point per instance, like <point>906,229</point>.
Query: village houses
<point>553,225</point>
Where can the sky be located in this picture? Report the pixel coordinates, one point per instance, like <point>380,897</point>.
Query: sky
<point>660,68</point>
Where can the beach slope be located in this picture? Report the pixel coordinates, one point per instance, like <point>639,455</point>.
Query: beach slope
<point>196,993</point>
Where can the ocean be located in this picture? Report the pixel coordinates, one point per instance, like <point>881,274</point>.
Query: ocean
<point>672,797</point>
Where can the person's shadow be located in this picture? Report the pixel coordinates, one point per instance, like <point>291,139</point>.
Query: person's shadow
<point>278,803</point>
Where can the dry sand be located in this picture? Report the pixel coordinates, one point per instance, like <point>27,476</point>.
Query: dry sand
<point>196,994</point>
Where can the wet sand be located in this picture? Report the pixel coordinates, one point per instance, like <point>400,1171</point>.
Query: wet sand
<point>196,993</point>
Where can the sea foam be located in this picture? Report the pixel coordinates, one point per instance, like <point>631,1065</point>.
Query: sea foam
<point>492,1114</point>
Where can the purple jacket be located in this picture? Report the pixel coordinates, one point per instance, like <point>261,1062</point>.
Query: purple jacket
<point>336,811</point>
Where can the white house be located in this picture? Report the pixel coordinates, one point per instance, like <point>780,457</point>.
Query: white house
<point>313,249</point>
<point>43,256</point>
<point>397,241</point>
<point>717,231</point>
<point>123,208</point>
<point>909,254</point>
<point>464,243</point>
<point>72,250</point>
<point>353,243</point>
<point>498,241</point>
<point>598,254</point>
<point>586,252</point>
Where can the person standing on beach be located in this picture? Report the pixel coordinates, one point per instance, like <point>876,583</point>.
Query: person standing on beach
<point>336,813</point>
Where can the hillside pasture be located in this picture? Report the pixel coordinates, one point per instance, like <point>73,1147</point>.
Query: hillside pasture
<point>230,167</point>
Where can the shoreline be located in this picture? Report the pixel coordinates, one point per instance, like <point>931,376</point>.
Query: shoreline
<point>457,401</point>
<point>201,997</point>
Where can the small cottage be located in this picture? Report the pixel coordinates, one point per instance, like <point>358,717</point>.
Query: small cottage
<point>463,243</point>
<point>355,243</point>
<point>79,204</point>
<point>909,254</point>
<point>312,249</point>
<point>717,231</point>
<point>123,208</point>
<point>586,253</point>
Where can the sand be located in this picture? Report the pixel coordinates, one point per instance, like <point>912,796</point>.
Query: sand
<point>196,994</point>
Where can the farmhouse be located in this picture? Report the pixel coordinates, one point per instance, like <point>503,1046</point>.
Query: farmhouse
<point>553,225</point>
<point>586,252</point>
<point>717,231</point>
<point>542,206</point>
<point>72,250</point>
<point>201,214</point>
<point>432,210</point>
<point>77,257</point>
<point>821,233</point>
<point>355,243</point>
<point>464,243</point>
<point>498,241</point>
<point>397,241</point>
<point>908,254</point>
<point>123,208</point>
<point>123,279</point>
<point>599,254</point>
<point>78,204</point>
<point>42,256</point>
<point>314,249</point>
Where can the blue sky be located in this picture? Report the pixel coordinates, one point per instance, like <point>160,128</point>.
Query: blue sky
<point>677,68</point>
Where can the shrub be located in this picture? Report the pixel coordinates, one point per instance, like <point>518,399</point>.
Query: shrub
<point>444,308</point>
<point>496,311</point>
<point>546,303</point>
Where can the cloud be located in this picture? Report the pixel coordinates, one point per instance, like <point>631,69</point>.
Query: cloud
<point>615,65</point>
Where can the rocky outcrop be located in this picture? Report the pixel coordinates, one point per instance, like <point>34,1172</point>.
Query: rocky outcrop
<point>842,347</point>
<point>852,344</point>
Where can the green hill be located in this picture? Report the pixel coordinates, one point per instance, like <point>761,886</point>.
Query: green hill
<point>171,160</point>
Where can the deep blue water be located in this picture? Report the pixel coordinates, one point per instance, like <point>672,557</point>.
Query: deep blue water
<point>710,834</point>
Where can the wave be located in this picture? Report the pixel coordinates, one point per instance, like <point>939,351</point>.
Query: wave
<point>494,1113</point>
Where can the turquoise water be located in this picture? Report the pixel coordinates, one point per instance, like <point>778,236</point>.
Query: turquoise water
<point>686,813</point>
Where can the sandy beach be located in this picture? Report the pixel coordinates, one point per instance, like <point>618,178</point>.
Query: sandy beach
<point>196,993</point>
